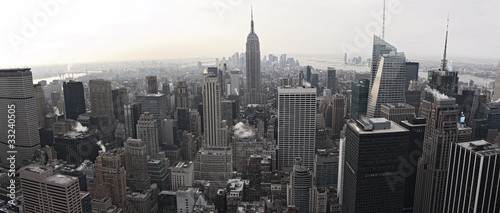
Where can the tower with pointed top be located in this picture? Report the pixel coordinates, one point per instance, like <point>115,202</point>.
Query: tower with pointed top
<point>252,86</point>
<point>443,79</point>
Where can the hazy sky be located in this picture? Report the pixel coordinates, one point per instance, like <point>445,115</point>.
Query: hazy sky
<point>73,31</point>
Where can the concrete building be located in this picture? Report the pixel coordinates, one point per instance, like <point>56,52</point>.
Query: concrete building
<point>155,104</point>
<point>158,172</point>
<point>397,112</point>
<point>136,159</point>
<point>75,147</point>
<point>151,85</point>
<point>120,99</point>
<point>181,95</point>
<point>101,102</point>
<point>18,97</point>
<point>41,106</point>
<point>213,164</point>
<point>182,174</point>
<point>359,99</point>
<point>110,179</point>
<point>326,168</point>
<point>74,99</point>
<point>44,191</point>
<point>147,132</point>
<point>337,115</point>
<point>332,79</point>
<point>440,133</point>
<point>211,112</point>
<point>301,189</point>
<point>253,91</point>
<point>296,125</point>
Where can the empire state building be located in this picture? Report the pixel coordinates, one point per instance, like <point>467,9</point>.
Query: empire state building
<point>252,87</point>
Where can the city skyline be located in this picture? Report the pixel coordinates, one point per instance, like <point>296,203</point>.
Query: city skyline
<point>79,32</point>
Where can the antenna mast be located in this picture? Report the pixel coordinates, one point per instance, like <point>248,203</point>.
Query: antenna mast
<point>383,24</point>
<point>445,62</point>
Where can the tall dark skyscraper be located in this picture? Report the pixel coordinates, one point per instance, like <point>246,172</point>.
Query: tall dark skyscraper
<point>373,149</point>
<point>74,99</point>
<point>332,79</point>
<point>308,73</point>
<point>151,85</point>
<point>359,98</point>
<point>440,133</point>
<point>18,98</point>
<point>253,91</point>
<point>411,73</point>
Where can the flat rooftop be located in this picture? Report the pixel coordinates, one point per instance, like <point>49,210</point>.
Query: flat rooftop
<point>395,128</point>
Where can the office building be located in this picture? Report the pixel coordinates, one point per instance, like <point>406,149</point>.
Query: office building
<point>253,82</point>
<point>235,83</point>
<point>473,178</point>
<point>182,174</point>
<point>158,172</point>
<point>211,112</point>
<point>155,104</point>
<point>337,115</point>
<point>44,191</point>
<point>301,188</point>
<point>110,179</point>
<point>136,160</point>
<point>413,95</point>
<point>496,93</point>
<point>388,78</point>
<point>74,99</point>
<point>213,164</point>
<point>132,114</point>
<point>169,129</point>
<point>443,79</point>
<point>16,91</point>
<point>296,125</point>
<point>147,132</point>
<point>151,85</point>
<point>440,133</point>
<point>359,100</point>
<point>416,126</point>
<point>372,152</point>
<point>411,73</point>
<point>41,107</point>
<point>181,95</point>
<point>397,112</point>
<point>332,79</point>
<point>326,168</point>
<point>120,99</point>
<point>75,147</point>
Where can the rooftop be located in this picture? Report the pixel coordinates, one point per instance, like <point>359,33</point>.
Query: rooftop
<point>481,147</point>
<point>61,179</point>
<point>390,127</point>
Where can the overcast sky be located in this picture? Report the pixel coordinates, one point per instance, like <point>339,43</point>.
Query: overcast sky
<point>97,31</point>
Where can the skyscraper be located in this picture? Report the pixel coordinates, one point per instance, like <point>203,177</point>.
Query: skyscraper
<point>496,93</point>
<point>101,102</point>
<point>44,191</point>
<point>397,111</point>
<point>359,99</point>
<point>253,91</point>
<point>308,73</point>
<point>411,73</point>
<point>181,95</point>
<point>337,115</point>
<point>151,85</point>
<point>120,98</point>
<point>473,178</point>
<point>132,113</point>
<point>296,125</point>
<point>388,78</point>
<point>235,83</point>
<point>373,148</point>
<point>332,79</point>
<point>110,180</point>
<point>155,104</point>
<point>74,99</point>
<point>147,131</point>
<point>211,112</point>
<point>444,80</point>
<point>18,99</point>
<point>136,161</point>
<point>41,107</point>
<point>301,187</point>
<point>440,134</point>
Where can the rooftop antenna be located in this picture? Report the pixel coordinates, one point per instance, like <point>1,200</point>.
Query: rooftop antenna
<point>383,24</point>
<point>251,13</point>
<point>445,62</point>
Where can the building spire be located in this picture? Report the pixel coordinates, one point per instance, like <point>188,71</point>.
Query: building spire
<point>383,24</point>
<point>444,61</point>
<point>251,13</point>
